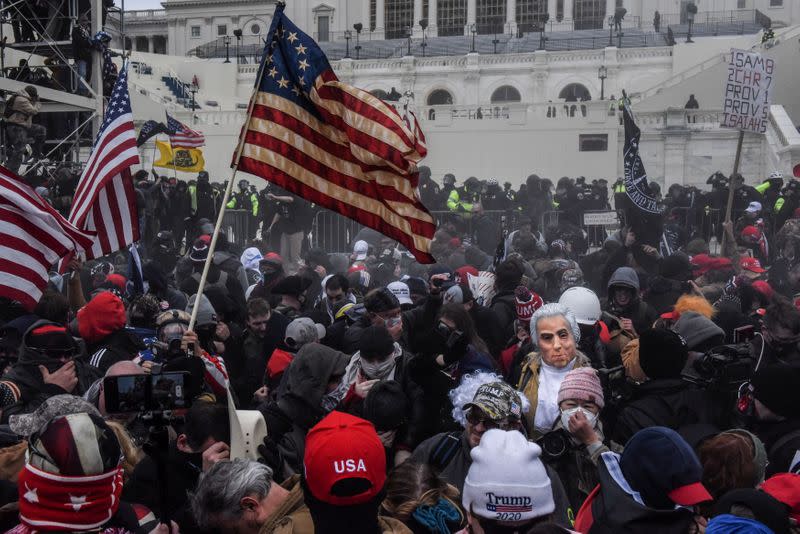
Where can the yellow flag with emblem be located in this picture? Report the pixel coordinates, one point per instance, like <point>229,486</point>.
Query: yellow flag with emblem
<point>179,158</point>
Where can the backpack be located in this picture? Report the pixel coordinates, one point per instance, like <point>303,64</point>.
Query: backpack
<point>9,109</point>
<point>445,450</point>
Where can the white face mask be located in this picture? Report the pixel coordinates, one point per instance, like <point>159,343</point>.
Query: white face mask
<point>567,414</point>
<point>380,370</point>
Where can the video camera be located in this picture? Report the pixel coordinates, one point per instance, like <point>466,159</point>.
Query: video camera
<point>724,367</point>
<point>617,390</point>
<point>555,444</point>
<point>159,395</point>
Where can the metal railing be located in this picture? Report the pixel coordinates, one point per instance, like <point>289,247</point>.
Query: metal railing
<point>236,226</point>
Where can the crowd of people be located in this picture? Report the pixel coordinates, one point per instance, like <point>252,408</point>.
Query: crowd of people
<point>536,379</point>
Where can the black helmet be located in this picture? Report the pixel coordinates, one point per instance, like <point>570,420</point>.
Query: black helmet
<point>449,179</point>
<point>202,176</point>
<point>243,184</point>
<point>472,183</point>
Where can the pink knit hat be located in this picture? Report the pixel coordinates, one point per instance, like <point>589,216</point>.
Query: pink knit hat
<point>582,384</point>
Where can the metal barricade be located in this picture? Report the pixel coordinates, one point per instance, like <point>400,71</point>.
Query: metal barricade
<point>236,225</point>
<point>333,233</point>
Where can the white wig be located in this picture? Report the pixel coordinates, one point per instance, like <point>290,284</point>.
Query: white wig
<point>554,310</point>
<point>465,392</point>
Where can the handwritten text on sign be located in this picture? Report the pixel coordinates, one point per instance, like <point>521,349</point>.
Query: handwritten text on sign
<point>747,91</point>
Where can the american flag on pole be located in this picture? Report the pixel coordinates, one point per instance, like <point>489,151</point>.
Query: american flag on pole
<point>333,144</point>
<point>182,136</point>
<point>105,201</point>
<point>33,237</point>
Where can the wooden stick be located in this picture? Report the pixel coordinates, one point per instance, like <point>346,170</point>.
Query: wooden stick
<point>731,188</point>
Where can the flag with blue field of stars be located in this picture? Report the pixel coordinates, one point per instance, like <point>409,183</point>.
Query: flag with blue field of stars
<point>105,201</point>
<point>333,144</point>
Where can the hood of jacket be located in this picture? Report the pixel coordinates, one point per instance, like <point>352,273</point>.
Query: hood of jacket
<point>306,382</point>
<point>615,510</point>
<point>29,356</point>
<point>625,276</point>
<point>250,258</point>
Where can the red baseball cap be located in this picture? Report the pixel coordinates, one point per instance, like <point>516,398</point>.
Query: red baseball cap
<point>701,264</point>
<point>751,231</point>
<point>752,265</point>
<point>345,462</point>
<point>785,487</point>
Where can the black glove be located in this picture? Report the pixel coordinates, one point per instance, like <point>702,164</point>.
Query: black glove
<point>270,455</point>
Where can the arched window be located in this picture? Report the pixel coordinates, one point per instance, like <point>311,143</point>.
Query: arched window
<point>506,93</point>
<point>575,92</point>
<point>380,93</point>
<point>440,97</point>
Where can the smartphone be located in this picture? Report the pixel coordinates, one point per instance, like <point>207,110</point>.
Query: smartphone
<point>139,394</point>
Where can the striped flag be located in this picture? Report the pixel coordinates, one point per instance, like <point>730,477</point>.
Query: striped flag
<point>333,144</point>
<point>105,200</point>
<point>33,237</point>
<point>182,136</point>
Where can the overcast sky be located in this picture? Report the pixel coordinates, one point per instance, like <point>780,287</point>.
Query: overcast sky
<point>140,4</point>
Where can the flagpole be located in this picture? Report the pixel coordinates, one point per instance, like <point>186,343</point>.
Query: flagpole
<point>732,188</point>
<point>213,245</point>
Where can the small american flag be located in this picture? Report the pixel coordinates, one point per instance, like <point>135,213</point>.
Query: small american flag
<point>182,136</point>
<point>33,237</point>
<point>105,200</point>
<point>333,144</point>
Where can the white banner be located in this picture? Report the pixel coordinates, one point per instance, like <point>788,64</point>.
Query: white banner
<point>600,218</point>
<point>748,90</point>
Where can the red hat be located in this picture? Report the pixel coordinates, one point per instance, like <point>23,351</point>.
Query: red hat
<point>764,289</point>
<point>356,268</point>
<point>103,315</point>
<point>462,272</point>
<point>272,257</point>
<point>751,231</point>
<point>454,243</point>
<point>751,264</point>
<point>785,487</point>
<point>796,171</point>
<point>527,302</point>
<point>701,264</point>
<point>345,463</point>
<point>118,280</point>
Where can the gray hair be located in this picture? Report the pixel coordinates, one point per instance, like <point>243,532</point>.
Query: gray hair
<point>221,488</point>
<point>554,309</point>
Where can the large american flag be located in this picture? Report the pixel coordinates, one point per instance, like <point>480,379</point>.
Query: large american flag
<point>33,237</point>
<point>105,200</point>
<point>181,136</point>
<point>333,144</point>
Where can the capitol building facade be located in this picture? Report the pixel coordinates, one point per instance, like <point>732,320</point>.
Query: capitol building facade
<point>502,88</point>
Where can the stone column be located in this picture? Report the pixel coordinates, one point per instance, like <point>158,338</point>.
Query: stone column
<point>551,9</point>
<point>380,14</point>
<point>151,44</point>
<point>470,16</point>
<point>417,31</point>
<point>568,9</point>
<point>511,16</point>
<point>611,6</point>
<point>365,5</point>
<point>433,13</point>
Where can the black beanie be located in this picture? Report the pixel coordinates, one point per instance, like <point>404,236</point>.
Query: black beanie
<point>375,342</point>
<point>381,300</point>
<point>676,267</point>
<point>776,387</point>
<point>385,405</point>
<point>662,353</point>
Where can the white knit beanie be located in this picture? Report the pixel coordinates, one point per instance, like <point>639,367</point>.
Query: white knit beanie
<point>507,480</point>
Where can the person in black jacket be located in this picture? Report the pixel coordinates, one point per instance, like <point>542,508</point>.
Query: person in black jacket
<point>49,364</point>
<point>217,278</point>
<point>772,407</point>
<point>82,52</point>
<point>204,441</point>
<point>665,399</point>
<point>504,304</point>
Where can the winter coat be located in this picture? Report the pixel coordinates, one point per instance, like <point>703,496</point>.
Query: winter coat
<point>248,356</point>
<point>122,345</point>
<point>292,516</point>
<point>301,394</point>
<point>436,382</point>
<point>669,402</point>
<point>455,471</point>
<point>23,109</point>
<point>25,387</point>
<point>489,328</point>
<point>611,510</point>
<point>504,305</point>
<point>529,381</point>
<point>577,468</point>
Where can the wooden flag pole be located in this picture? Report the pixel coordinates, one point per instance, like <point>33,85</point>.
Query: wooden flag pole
<point>731,187</point>
<point>226,196</point>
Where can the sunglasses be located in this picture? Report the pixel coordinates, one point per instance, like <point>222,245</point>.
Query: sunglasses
<point>476,417</point>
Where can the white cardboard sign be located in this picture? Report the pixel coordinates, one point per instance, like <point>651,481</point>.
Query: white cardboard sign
<point>748,91</point>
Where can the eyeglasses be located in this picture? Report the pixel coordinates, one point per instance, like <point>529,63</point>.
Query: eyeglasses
<point>476,417</point>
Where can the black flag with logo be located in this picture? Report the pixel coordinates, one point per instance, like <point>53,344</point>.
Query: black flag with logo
<point>149,129</point>
<point>643,212</point>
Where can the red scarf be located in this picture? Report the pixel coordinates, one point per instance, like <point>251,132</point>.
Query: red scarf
<point>49,501</point>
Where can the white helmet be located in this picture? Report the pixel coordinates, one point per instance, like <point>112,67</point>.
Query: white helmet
<point>583,302</point>
<point>775,174</point>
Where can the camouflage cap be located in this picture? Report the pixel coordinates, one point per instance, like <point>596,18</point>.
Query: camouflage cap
<point>498,401</point>
<point>56,406</point>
